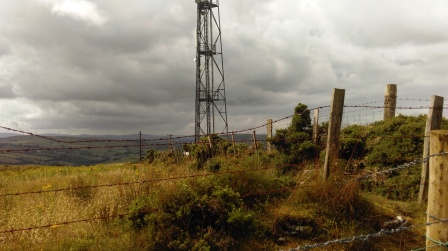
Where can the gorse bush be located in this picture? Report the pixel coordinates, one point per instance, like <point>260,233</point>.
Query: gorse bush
<point>295,141</point>
<point>395,141</point>
<point>212,218</point>
<point>201,152</point>
<point>385,143</point>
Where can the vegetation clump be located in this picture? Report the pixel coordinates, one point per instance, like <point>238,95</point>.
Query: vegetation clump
<point>295,142</point>
<point>382,145</point>
<point>199,218</point>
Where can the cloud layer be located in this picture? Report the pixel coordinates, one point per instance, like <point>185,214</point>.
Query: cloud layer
<point>77,9</point>
<point>111,66</point>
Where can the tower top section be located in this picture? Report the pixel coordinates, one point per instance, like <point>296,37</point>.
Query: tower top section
<point>206,4</point>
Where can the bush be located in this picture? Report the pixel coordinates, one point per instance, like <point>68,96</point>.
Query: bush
<point>150,155</point>
<point>395,141</point>
<point>295,141</point>
<point>213,165</point>
<point>139,209</point>
<point>200,217</point>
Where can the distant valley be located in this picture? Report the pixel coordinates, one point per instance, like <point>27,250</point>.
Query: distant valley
<point>86,149</point>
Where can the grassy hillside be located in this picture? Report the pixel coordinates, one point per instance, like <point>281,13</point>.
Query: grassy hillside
<point>234,203</point>
<point>81,156</point>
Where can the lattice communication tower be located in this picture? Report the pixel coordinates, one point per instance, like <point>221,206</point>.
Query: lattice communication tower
<point>211,107</point>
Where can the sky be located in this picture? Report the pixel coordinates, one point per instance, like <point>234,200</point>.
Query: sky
<point>119,67</point>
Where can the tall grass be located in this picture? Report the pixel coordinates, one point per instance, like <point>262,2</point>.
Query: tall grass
<point>232,211</point>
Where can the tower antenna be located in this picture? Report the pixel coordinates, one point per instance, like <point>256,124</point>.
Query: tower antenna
<point>211,107</point>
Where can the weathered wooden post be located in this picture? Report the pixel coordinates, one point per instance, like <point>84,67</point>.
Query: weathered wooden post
<point>433,122</point>
<point>437,234</point>
<point>334,128</point>
<point>210,144</point>
<point>316,125</point>
<point>390,101</point>
<point>255,140</point>
<point>269,136</point>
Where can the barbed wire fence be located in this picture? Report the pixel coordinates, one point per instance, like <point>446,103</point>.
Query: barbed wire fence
<point>404,226</point>
<point>365,237</point>
<point>143,142</point>
<point>362,237</point>
<point>356,110</point>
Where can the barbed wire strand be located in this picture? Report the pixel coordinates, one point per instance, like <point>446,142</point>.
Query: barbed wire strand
<point>413,99</point>
<point>174,143</point>
<point>181,137</point>
<point>403,166</point>
<point>146,181</point>
<point>52,225</point>
<point>364,237</point>
<point>191,136</point>
<point>146,140</point>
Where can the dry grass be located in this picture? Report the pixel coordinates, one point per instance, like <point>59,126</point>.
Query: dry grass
<point>337,209</point>
<point>42,209</point>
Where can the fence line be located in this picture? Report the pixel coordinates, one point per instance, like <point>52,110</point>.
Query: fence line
<point>190,136</point>
<point>365,237</point>
<point>146,181</point>
<point>147,140</point>
<point>305,247</point>
<point>403,166</point>
<point>53,225</point>
<point>414,99</point>
<point>178,143</point>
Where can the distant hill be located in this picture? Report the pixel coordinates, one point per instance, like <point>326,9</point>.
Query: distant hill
<point>7,134</point>
<point>88,149</point>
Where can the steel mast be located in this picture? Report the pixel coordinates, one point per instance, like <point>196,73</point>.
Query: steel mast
<point>211,107</point>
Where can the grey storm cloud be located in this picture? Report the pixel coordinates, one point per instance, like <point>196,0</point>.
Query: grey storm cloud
<point>112,66</point>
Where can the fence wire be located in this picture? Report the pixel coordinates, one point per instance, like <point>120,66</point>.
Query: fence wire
<point>403,166</point>
<point>54,225</point>
<point>145,181</point>
<point>365,237</point>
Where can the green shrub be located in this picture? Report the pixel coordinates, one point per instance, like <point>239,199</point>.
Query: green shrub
<point>395,141</point>
<point>150,155</point>
<point>353,142</point>
<point>213,165</point>
<point>200,217</point>
<point>139,209</point>
<point>295,141</point>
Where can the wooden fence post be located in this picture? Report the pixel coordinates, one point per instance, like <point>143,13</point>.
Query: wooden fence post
<point>437,234</point>
<point>255,140</point>
<point>210,144</point>
<point>433,122</point>
<point>316,125</point>
<point>390,101</point>
<point>269,136</point>
<point>334,128</point>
